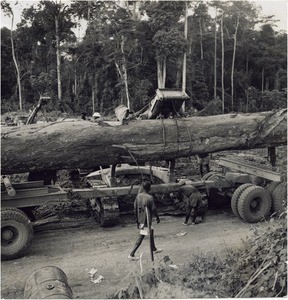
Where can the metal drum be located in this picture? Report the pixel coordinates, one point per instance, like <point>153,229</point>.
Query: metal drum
<point>47,283</point>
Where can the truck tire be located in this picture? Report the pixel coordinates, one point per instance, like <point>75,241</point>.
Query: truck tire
<point>254,204</point>
<point>236,196</point>
<point>16,233</point>
<point>279,198</point>
<point>271,187</point>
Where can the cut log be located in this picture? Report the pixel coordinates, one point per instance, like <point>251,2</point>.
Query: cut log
<point>84,144</point>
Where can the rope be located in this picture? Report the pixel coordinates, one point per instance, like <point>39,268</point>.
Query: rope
<point>163,137</point>
<point>187,128</point>
<point>178,147</point>
<point>132,156</point>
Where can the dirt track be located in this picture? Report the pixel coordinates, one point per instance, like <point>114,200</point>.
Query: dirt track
<point>79,246</point>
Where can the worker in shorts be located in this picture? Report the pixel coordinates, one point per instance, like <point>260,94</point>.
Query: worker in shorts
<point>203,161</point>
<point>143,201</point>
<point>196,204</point>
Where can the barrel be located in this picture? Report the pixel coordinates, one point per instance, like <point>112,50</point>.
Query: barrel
<point>47,283</point>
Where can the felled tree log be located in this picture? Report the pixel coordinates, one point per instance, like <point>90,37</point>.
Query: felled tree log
<point>84,144</point>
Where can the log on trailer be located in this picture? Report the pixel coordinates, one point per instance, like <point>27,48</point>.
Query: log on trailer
<point>84,144</point>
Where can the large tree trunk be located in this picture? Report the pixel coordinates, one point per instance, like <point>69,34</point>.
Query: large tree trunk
<point>161,72</point>
<point>84,144</point>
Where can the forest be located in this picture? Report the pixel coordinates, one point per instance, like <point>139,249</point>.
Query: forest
<point>232,56</point>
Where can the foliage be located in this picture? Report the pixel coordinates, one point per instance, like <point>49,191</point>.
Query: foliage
<point>134,37</point>
<point>169,43</point>
<point>262,271</point>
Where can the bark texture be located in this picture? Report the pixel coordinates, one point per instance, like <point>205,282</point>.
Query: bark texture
<point>83,144</point>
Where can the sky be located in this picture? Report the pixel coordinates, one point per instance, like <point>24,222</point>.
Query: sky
<point>269,7</point>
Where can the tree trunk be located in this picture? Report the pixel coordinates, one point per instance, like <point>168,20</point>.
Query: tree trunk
<point>263,78</point>
<point>267,84</point>
<point>93,100</point>
<point>16,65</point>
<point>222,66</point>
<point>159,76</point>
<point>124,70</point>
<point>215,56</point>
<point>185,54</point>
<point>58,56</point>
<point>247,100</point>
<point>161,72</point>
<point>233,63</point>
<point>277,81</point>
<point>184,71</point>
<point>201,39</point>
<point>164,73</point>
<point>121,78</point>
<point>178,74</point>
<point>247,64</point>
<point>96,92</point>
<point>84,144</point>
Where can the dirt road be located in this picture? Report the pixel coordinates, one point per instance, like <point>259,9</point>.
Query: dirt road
<point>77,250</point>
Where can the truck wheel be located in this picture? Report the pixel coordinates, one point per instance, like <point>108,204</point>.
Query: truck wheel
<point>254,204</point>
<point>16,233</point>
<point>236,196</point>
<point>279,198</point>
<point>271,187</point>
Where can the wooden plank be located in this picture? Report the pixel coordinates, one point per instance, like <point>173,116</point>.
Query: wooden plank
<point>163,188</point>
<point>253,169</point>
<point>36,200</point>
<point>25,185</point>
<point>26,193</point>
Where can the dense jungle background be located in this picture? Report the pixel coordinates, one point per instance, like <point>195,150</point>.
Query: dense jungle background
<point>235,59</point>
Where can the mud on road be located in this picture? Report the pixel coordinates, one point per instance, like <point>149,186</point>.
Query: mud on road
<point>77,246</point>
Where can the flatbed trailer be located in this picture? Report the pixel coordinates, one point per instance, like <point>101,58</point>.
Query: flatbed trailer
<point>251,190</point>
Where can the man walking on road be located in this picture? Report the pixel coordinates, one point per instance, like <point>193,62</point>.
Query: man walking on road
<point>144,205</point>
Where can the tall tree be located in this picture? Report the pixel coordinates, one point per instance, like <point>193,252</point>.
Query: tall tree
<point>168,40</point>
<point>242,15</point>
<point>8,11</point>
<point>52,18</point>
<point>222,64</point>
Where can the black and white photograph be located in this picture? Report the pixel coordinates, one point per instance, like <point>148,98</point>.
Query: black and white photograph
<point>143,149</point>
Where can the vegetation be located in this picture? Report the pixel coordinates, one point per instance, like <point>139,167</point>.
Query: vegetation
<point>131,48</point>
<point>258,269</point>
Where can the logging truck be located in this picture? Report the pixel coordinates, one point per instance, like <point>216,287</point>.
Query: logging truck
<point>255,192</point>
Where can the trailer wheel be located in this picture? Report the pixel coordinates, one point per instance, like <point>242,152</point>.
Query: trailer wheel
<point>16,233</point>
<point>271,187</point>
<point>254,204</point>
<point>279,198</point>
<point>107,211</point>
<point>235,198</point>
